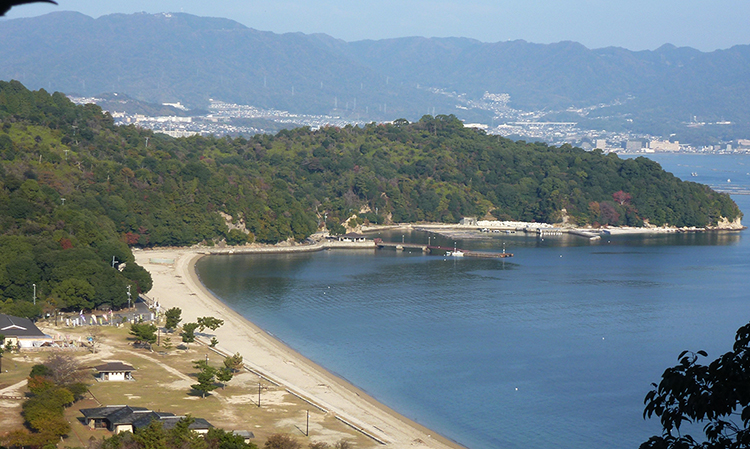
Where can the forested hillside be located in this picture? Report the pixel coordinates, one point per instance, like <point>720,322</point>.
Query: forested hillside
<point>74,188</point>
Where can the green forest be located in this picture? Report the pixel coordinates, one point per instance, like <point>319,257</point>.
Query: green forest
<point>76,190</point>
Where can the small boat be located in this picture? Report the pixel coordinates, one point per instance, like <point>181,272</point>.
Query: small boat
<point>455,252</point>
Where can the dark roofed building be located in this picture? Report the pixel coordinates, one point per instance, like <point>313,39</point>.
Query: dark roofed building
<point>114,371</point>
<point>22,332</point>
<point>117,418</point>
<point>146,419</point>
<point>169,421</point>
<point>124,418</point>
<point>246,434</point>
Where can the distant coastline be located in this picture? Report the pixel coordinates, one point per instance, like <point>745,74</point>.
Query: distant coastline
<point>473,231</point>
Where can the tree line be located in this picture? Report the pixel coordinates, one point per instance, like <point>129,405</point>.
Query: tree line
<point>78,187</point>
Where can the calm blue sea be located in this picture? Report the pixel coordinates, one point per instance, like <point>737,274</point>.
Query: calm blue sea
<point>555,347</point>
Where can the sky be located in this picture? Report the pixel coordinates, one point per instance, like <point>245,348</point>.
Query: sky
<point>632,24</point>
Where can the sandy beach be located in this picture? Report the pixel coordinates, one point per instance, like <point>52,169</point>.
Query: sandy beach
<point>177,285</point>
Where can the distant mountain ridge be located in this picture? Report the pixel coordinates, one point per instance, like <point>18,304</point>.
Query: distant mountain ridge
<point>180,57</point>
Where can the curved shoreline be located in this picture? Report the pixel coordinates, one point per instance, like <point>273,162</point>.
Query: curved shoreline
<point>178,285</point>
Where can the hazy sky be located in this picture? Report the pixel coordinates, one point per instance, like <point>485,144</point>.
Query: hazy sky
<point>633,24</point>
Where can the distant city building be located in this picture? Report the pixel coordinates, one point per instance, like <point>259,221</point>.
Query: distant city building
<point>177,105</point>
<point>664,145</point>
<point>177,133</point>
<point>633,145</point>
<point>600,143</point>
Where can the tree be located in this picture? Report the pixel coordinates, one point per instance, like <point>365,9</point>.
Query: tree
<point>75,294</point>
<point>173,318</point>
<point>213,343</point>
<point>152,436</point>
<point>96,333</point>
<point>234,362</point>
<point>340,444</point>
<point>224,375</point>
<point>143,332</point>
<point>281,441</point>
<point>221,439</point>
<point>206,375</point>
<point>621,197</point>
<point>209,322</point>
<point>188,332</point>
<point>65,371</point>
<point>155,436</point>
<point>717,394</point>
<point>180,436</point>
<point>52,386</point>
<point>236,237</point>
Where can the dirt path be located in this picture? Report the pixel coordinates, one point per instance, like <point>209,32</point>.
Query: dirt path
<point>13,390</point>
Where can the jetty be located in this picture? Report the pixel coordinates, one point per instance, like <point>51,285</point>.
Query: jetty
<point>430,249</point>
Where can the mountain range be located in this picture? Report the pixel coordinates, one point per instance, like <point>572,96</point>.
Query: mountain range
<point>179,57</point>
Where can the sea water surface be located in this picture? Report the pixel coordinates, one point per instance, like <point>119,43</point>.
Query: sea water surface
<point>555,347</point>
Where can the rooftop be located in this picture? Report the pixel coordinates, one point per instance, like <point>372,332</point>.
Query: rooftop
<point>113,366</point>
<point>13,326</point>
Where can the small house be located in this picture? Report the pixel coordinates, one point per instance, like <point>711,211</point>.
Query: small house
<point>245,434</point>
<point>114,371</point>
<point>352,237</point>
<point>22,332</point>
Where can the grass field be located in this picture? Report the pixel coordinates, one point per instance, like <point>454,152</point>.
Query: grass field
<point>162,383</point>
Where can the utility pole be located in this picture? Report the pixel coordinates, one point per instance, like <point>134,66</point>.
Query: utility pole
<point>258,392</point>
<point>34,285</point>
<point>128,296</point>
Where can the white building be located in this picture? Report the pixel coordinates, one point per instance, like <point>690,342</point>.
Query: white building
<point>664,145</point>
<point>114,371</point>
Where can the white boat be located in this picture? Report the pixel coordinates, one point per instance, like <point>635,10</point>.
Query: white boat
<point>455,252</point>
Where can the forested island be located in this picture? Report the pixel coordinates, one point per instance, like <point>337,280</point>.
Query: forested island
<point>76,191</point>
